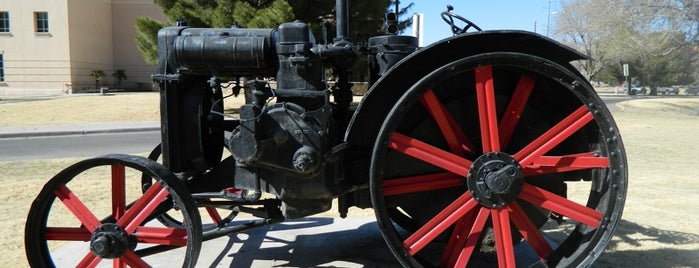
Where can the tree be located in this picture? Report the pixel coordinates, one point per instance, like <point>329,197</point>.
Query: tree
<point>224,13</point>
<point>586,26</point>
<point>402,12</point>
<point>653,36</point>
<point>210,13</point>
<point>673,66</point>
<point>366,17</point>
<point>146,38</point>
<point>97,75</point>
<point>119,75</point>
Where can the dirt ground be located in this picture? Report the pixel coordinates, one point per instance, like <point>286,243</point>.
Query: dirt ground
<point>661,136</point>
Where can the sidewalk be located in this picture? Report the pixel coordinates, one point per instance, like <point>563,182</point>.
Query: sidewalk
<point>77,129</point>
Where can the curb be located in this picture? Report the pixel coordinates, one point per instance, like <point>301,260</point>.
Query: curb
<point>75,132</point>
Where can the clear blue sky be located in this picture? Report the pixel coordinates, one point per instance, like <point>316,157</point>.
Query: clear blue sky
<point>487,14</point>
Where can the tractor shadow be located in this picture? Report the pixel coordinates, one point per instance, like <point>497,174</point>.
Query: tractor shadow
<point>636,245</point>
<point>357,242</point>
<point>307,242</point>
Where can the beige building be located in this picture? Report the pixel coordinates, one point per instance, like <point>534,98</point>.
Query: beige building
<point>51,47</point>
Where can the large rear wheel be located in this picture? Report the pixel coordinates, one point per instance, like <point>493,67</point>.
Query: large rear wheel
<point>500,159</point>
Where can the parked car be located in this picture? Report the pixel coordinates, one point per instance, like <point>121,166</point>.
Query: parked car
<point>637,90</point>
<point>668,90</point>
<point>692,90</point>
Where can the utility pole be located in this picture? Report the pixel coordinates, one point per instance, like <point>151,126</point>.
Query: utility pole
<point>626,75</point>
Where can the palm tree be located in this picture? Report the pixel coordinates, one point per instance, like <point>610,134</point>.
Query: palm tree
<point>97,75</point>
<point>119,75</point>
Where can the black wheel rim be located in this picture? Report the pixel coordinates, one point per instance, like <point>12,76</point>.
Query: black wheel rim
<point>443,151</point>
<point>115,223</point>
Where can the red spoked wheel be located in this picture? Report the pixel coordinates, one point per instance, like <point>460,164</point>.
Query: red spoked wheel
<point>95,213</point>
<point>500,159</point>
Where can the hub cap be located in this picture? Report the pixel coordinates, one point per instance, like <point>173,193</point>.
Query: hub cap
<point>495,179</point>
<point>110,241</point>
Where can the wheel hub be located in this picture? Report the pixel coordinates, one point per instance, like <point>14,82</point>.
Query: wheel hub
<point>110,241</point>
<point>495,179</point>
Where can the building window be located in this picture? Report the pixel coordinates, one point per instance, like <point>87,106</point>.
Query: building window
<point>4,22</point>
<point>2,67</point>
<point>41,20</point>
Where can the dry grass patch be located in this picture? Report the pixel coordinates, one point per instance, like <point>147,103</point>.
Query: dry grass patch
<point>77,109</point>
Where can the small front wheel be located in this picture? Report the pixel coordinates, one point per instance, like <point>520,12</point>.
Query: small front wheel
<point>95,212</point>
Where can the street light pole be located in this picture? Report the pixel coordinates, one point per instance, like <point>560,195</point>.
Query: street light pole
<point>625,71</point>
<point>548,19</point>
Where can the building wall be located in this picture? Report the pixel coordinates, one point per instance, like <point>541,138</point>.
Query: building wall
<point>35,62</point>
<point>126,54</point>
<point>84,35</point>
<point>90,41</point>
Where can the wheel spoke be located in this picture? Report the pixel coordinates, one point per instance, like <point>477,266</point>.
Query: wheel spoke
<point>560,205</point>
<point>554,136</point>
<point>468,245</point>
<point>90,260</point>
<point>118,191</point>
<point>133,260</point>
<point>78,208</point>
<point>143,207</point>
<point>487,114</point>
<point>214,215</point>
<point>67,234</point>
<point>422,183</point>
<point>430,154</point>
<point>119,263</point>
<point>440,222</point>
<point>455,137</point>
<point>558,164</point>
<point>473,237</point>
<point>458,239</point>
<point>514,109</point>
<point>529,231</point>
<point>503,237</point>
<point>161,236</point>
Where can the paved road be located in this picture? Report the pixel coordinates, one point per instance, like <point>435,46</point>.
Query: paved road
<point>18,149</point>
<point>100,140</point>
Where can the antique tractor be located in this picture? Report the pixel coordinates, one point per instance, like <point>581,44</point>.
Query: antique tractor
<point>470,150</point>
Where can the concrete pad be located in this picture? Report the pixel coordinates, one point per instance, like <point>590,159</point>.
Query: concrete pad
<point>307,242</point>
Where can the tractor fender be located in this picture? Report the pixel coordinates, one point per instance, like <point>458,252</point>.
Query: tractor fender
<point>368,117</point>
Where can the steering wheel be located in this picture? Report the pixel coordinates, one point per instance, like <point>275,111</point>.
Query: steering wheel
<point>449,17</point>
